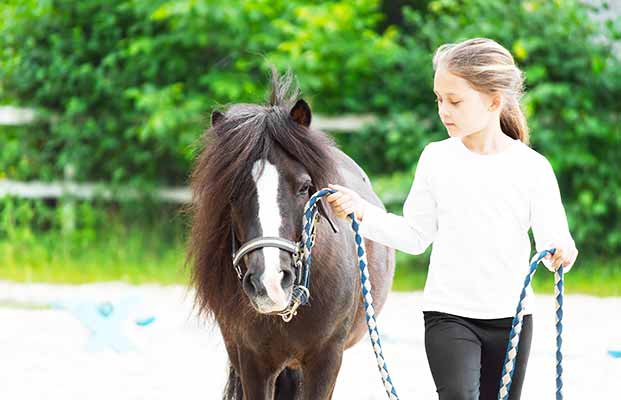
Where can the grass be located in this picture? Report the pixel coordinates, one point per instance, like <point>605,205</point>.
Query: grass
<point>154,255</point>
<point>23,305</point>
<point>131,256</point>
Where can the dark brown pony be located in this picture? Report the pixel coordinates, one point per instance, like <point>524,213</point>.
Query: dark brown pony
<point>260,165</point>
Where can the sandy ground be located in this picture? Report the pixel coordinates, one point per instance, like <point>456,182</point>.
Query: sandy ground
<point>43,353</point>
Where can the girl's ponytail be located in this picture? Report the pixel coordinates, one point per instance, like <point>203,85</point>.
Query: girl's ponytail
<point>513,122</point>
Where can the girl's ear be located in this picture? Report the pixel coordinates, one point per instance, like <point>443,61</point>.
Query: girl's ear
<point>496,102</point>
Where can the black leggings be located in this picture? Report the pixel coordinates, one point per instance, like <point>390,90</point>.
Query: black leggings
<point>466,355</point>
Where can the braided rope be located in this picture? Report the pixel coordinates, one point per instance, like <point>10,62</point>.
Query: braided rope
<point>365,284</point>
<point>301,292</point>
<point>514,335</point>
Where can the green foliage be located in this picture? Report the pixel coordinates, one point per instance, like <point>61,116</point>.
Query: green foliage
<point>124,87</point>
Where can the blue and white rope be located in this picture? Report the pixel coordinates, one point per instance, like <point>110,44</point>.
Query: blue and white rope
<point>365,281</point>
<point>514,336</point>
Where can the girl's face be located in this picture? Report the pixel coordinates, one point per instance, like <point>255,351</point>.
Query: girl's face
<point>462,109</point>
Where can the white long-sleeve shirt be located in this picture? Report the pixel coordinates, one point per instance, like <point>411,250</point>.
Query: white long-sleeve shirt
<point>476,210</point>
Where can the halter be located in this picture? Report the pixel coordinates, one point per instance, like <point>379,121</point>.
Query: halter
<point>300,255</point>
<point>257,243</point>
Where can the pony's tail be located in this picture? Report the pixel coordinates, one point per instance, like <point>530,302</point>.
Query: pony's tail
<point>233,389</point>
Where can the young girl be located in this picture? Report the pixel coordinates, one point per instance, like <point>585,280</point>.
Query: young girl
<point>474,196</point>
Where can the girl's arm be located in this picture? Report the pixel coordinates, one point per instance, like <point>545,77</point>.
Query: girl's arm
<point>549,220</point>
<point>413,232</point>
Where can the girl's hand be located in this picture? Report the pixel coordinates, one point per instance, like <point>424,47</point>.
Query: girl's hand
<point>565,253</point>
<point>345,201</point>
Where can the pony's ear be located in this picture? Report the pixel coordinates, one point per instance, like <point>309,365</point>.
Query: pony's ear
<point>216,117</point>
<point>301,113</point>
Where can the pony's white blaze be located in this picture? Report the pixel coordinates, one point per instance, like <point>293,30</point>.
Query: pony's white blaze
<point>270,221</point>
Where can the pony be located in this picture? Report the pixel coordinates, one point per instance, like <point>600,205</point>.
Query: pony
<point>257,167</point>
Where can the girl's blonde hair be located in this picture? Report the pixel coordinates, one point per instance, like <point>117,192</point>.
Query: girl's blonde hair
<point>489,68</point>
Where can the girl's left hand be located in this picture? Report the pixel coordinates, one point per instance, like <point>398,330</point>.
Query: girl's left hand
<point>565,253</point>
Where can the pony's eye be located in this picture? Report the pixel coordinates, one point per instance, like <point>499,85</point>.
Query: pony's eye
<point>304,188</point>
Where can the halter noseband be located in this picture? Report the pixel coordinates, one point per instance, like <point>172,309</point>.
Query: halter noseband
<point>257,243</point>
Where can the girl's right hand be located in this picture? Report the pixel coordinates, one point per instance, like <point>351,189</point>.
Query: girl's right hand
<point>565,253</point>
<point>346,201</point>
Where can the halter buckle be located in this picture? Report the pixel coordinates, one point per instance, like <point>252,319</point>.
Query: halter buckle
<point>291,311</point>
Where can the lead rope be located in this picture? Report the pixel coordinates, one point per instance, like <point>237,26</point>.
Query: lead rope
<point>514,336</point>
<point>365,282</point>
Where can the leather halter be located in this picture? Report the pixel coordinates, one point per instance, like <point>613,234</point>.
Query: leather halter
<point>257,243</point>
<point>271,241</point>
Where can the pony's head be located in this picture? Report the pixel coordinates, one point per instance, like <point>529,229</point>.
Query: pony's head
<point>260,165</point>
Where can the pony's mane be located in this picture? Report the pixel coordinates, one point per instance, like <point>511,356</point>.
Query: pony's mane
<point>246,133</point>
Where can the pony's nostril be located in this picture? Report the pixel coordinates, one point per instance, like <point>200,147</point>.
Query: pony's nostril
<point>248,286</point>
<point>252,285</point>
<point>287,278</point>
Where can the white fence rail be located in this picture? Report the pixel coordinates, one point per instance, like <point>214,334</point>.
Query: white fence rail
<point>16,116</point>
<point>85,191</point>
<point>39,190</point>
<point>345,123</point>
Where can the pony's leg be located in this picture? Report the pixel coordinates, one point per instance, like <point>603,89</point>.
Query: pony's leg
<point>258,380</point>
<point>288,384</point>
<point>320,373</point>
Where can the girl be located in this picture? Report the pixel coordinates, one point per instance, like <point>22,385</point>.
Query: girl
<point>474,196</point>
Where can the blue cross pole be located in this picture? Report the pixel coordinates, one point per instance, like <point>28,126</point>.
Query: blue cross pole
<point>105,322</point>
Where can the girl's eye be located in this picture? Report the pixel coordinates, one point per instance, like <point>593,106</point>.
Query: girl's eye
<point>454,103</point>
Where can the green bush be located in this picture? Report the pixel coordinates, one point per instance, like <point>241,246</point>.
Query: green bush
<point>124,87</point>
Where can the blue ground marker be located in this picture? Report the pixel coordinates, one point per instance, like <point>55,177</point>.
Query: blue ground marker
<point>615,353</point>
<point>105,321</point>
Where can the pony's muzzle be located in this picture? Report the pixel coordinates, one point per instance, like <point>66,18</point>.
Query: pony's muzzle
<point>269,292</point>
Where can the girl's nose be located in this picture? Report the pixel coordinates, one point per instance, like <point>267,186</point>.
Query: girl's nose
<point>444,115</point>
